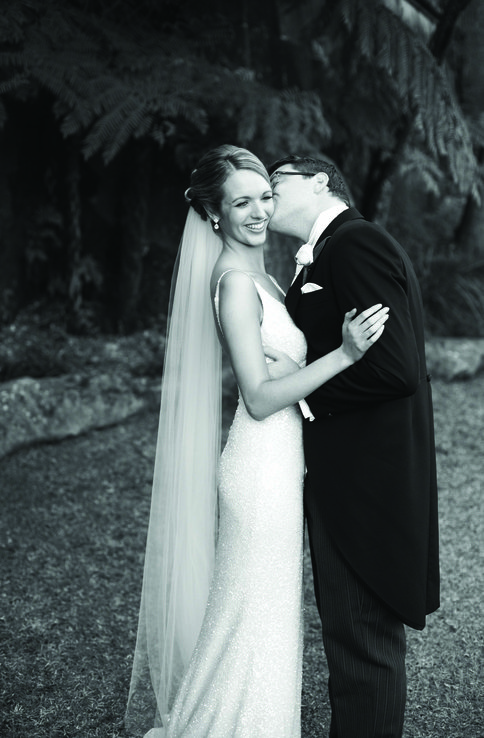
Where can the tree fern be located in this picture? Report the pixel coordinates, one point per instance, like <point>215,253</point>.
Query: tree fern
<point>422,86</point>
<point>418,164</point>
<point>13,83</point>
<point>109,87</point>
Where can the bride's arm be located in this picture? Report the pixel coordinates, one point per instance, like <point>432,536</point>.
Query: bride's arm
<point>240,316</point>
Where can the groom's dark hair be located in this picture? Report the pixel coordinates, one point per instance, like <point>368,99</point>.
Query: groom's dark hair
<point>336,183</point>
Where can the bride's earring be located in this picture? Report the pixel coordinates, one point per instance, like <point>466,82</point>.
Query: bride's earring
<point>215,225</point>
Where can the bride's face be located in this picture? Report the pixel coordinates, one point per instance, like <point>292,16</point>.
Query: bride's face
<point>246,207</point>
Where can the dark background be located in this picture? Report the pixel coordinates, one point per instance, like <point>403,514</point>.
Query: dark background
<point>105,107</point>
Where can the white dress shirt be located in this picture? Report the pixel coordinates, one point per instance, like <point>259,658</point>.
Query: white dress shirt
<point>304,257</point>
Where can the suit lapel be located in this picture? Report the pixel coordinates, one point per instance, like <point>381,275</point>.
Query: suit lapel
<point>316,251</point>
<point>344,217</point>
<point>294,292</point>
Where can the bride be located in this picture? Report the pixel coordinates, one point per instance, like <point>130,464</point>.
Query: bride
<point>219,647</point>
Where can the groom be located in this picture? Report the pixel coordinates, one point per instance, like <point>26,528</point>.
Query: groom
<point>370,493</point>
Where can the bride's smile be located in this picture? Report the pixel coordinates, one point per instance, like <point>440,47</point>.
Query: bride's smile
<point>246,208</point>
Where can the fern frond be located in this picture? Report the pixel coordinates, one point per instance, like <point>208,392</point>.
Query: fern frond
<point>13,20</point>
<point>401,56</point>
<point>158,135</point>
<point>477,130</point>
<point>173,106</point>
<point>10,59</point>
<point>113,125</point>
<point>48,77</point>
<point>417,163</point>
<point>290,120</point>
<point>365,34</point>
<point>9,85</point>
<point>131,124</point>
<point>71,123</point>
<point>348,11</point>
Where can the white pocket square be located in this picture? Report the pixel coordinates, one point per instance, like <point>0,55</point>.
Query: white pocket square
<point>310,287</point>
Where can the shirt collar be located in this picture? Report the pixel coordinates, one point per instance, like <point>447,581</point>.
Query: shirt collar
<point>324,219</point>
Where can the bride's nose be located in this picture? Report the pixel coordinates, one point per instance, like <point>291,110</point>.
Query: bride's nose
<point>258,211</point>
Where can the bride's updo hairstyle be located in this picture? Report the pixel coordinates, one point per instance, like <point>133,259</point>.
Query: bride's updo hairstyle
<point>207,180</point>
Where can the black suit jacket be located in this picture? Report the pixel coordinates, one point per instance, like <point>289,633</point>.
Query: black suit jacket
<point>370,453</point>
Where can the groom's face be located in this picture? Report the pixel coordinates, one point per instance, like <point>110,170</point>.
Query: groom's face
<point>292,191</point>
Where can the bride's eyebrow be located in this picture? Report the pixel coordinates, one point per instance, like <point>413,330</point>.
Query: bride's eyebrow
<point>251,197</point>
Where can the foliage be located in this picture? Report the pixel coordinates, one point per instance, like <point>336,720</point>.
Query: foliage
<point>112,86</point>
<point>420,165</point>
<point>136,91</point>
<point>453,293</point>
<point>403,68</point>
<point>112,83</point>
<point>38,344</point>
<point>451,281</point>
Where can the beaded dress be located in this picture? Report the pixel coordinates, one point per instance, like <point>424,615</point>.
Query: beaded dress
<point>244,678</point>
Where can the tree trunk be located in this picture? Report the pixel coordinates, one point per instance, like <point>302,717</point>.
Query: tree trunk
<point>11,271</point>
<point>376,203</point>
<point>469,234</point>
<point>74,231</point>
<point>134,203</point>
<point>295,43</point>
<point>441,38</point>
<point>247,53</point>
<point>15,204</point>
<point>277,58</point>
<point>377,192</point>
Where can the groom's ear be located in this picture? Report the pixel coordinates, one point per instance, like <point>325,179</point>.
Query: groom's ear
<point>321,180</point>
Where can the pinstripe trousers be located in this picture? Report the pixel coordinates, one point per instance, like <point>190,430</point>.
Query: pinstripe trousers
<point>364,644</point>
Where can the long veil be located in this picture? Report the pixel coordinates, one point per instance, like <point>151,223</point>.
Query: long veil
<point>181,536</point>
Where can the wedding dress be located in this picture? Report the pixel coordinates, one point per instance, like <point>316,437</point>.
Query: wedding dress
<point>244,678</point>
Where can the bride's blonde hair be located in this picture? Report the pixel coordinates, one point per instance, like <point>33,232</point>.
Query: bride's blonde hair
<point>207,180</point>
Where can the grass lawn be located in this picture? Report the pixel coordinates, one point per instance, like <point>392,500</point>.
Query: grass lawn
<point>72,531</point>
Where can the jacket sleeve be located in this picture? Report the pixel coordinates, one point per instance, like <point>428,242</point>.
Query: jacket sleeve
<point>367,267</point>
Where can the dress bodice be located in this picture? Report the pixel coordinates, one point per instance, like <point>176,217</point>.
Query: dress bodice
<point>277,327</point>
<point>244,677</point>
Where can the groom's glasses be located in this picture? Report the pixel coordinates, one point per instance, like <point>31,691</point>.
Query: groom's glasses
<point>277,175</point>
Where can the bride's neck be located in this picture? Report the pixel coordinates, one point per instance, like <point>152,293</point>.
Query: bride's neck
<point>243,257</point>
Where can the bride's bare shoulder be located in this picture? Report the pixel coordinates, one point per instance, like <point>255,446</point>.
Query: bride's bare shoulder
<point>230,280</point>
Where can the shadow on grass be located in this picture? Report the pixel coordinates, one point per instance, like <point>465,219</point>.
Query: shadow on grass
<point>72,533</point>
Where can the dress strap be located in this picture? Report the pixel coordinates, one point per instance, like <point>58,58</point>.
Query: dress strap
<point>216,296</point>
<point>276,284</point>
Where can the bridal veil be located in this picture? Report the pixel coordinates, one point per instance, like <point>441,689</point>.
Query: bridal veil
<point>182,529</point>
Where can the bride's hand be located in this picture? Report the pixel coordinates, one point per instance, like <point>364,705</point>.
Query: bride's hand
<point>281,364</point>
<point>362,331</point>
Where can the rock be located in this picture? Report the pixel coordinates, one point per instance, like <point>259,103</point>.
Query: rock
<point>455,358</point>
<point>53,408</point>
